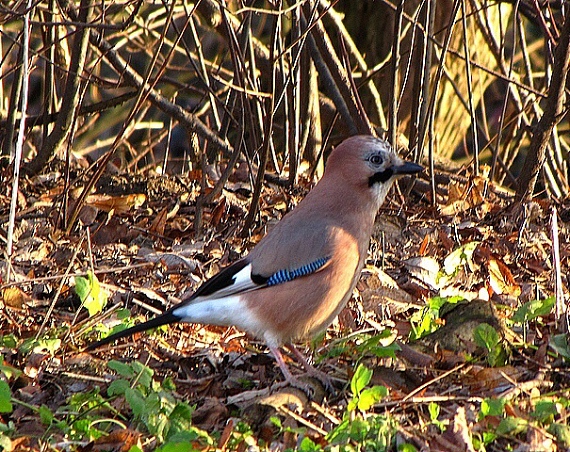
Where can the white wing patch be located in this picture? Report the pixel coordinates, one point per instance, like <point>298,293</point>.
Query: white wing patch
<point>242,282</point>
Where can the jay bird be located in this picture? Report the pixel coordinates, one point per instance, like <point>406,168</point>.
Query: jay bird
<point>297,279</point>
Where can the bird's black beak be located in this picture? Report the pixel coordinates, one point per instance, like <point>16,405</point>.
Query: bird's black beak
<point>407,168</point>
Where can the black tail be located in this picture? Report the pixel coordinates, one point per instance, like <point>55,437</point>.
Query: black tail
<point>163,319</point>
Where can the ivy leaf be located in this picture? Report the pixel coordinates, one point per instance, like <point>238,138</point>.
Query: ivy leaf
<point>560,345</point>
<point>118,387</point>
<point>533,309</point>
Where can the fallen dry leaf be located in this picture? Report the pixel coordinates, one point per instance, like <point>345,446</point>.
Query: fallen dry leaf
<point>121,440</point>
<point>118,204</point>
<point>501,279</point>
<point>14,297</point>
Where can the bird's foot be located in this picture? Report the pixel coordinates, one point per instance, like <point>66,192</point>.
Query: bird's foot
<point>307,382</point>
<point>312,388</point>
<point>323,377</point>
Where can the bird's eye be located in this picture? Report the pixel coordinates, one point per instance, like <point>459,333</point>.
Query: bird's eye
<point>376,159</point>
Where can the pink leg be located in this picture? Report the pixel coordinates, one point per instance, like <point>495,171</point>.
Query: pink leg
<point>279,358</point>
<point>290,379</point>
<point>301,358</point>
<point>321,376</point>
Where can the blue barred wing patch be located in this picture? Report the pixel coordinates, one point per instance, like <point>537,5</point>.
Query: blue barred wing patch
<point>288,275</point>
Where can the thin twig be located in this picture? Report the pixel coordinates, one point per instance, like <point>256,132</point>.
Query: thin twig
<point>561,307</point>
<point>20,139</point>
<point>267,139</point>
<point>552,115</point>
<point>469,77</point>
<point>71,96</point>
<point>394,80</point>
<point>356,122</point>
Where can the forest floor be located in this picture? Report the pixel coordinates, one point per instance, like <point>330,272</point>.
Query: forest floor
<point>450,342</point>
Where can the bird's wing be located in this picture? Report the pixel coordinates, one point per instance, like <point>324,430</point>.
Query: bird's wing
<point>297,246</point>
<point>283,255</point>
<point>239,278</point>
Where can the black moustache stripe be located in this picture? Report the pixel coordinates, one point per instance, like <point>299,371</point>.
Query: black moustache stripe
<point>381,176</point>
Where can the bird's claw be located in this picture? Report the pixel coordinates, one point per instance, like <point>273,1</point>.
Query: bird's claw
<point>309,386</point>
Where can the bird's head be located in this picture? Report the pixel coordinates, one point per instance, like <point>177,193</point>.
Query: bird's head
<point>369,163</point>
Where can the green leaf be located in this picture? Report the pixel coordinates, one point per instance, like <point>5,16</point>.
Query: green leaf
<point>545,411</point>
<point>512,425</point>
<point>308,445</point>
<point>152,403</point>
<point>168,384</point>
<point>352,404</point>
<point>433,409</point>
<point>180,419</point>
<point>5,398</point>
<point>370,396</point>
<point>340,433</point>
<point>424,321</point>
<point>91,294</point>
<point>382,345</point>
<point>560,345</point>
<point>492,407</point>
<point>359,429</point>
<point>407,447</point>
<point>190,435</point>
<point>143,373</point>
<point>46,416</point>
<point>172,446</point>
<point>387,351</point>
<point>460,257</point>
<point>136,401</point>
<point>489,437</point>
<point>561,432</point>
<point>533,309</point>
<point>124,370</point>
<point>276,422</point>
<point>118,387</point>
<point>487,337</point>
<point>438,302</point>
<point>8,341</point>
<point>360,379</point>
<point>40,346</point>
